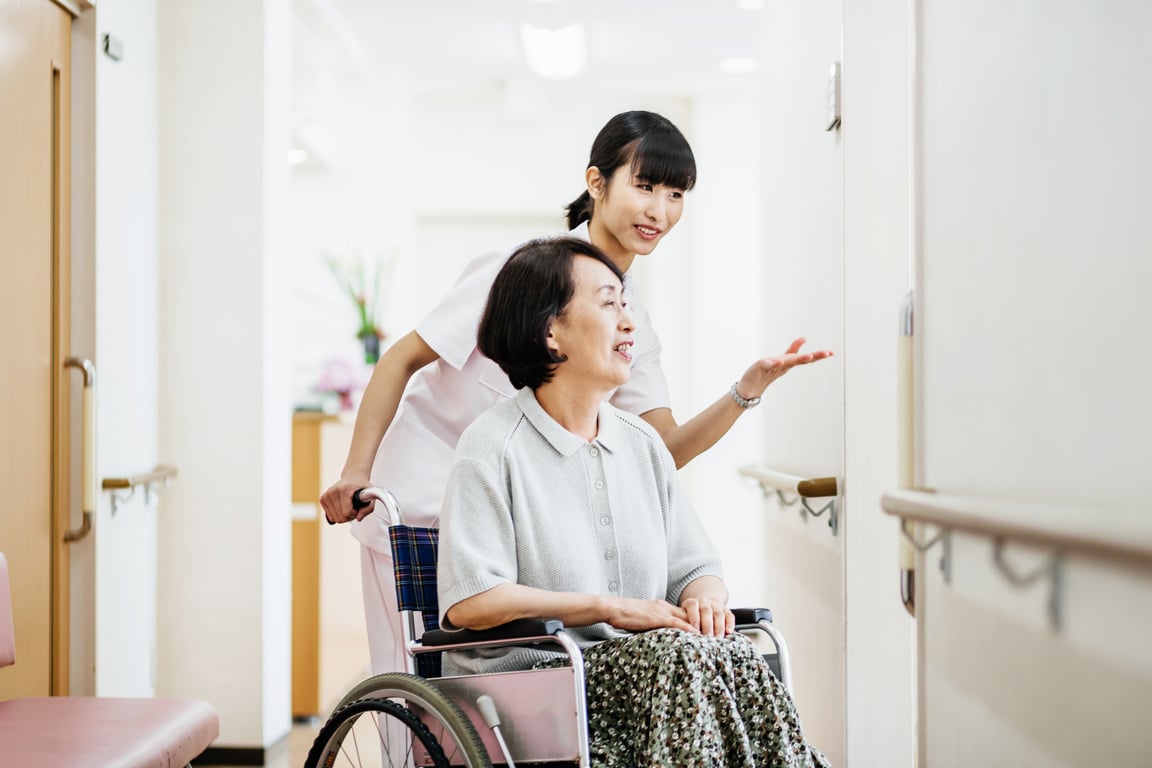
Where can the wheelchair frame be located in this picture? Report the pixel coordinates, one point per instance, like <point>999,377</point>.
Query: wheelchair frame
<point>540,715</point>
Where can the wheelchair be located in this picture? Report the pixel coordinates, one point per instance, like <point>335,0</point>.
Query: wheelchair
<point>420,718</point>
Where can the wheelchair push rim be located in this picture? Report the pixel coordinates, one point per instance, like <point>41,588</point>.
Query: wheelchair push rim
<point>434,728</point>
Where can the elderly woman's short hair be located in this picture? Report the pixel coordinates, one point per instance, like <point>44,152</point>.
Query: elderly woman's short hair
<point>533,288</point>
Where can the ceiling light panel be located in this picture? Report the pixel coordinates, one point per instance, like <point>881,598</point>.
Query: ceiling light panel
<point>554,53</point>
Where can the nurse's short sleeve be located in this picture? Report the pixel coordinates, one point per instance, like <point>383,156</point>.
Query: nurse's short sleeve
<point>647,389</point>
<point>450,328</point>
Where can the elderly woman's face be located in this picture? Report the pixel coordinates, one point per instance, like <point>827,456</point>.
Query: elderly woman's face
<point>594,332</point>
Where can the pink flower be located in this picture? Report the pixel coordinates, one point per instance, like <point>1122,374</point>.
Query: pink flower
<point>340,377</point>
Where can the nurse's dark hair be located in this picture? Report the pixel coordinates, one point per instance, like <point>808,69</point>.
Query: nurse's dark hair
<point>650,144</point>
<point>531,290</point>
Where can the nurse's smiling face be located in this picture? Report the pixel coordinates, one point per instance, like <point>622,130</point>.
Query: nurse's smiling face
<point>594,331</point>
<point>631,214</point>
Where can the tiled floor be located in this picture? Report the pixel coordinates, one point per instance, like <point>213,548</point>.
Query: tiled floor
<point>291,752</point>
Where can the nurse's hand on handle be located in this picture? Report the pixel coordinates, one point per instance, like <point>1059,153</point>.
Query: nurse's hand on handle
<point>766,370</point>
<point>342,503</point>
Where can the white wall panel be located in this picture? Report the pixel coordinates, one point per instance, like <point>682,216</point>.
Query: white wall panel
<point>880,666</point>
<point>802,415</point>
<point>127,310</point>
<point>1034,265</point>
<point>1035,250</point>
<point>225,365</point>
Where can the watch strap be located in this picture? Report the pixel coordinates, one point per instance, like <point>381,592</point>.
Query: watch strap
<point>741,401</point>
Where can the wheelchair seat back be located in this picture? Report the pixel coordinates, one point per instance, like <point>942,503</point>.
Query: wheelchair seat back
<point>414,553</point>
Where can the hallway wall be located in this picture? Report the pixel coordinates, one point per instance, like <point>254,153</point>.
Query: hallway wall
<point>127,347</point>
<point>879,665</point>
<point>1034,272</point>
<point>225,365</point>
<point>802,416</point>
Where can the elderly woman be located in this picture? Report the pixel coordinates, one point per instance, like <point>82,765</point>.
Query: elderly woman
<point>560,505</point>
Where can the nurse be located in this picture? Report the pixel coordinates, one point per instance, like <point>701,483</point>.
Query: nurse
<point>430,385</point>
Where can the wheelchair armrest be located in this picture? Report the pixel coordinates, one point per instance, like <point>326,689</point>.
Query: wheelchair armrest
<point>752,616</point>
<point>749,620</point>
<point>510,631</point>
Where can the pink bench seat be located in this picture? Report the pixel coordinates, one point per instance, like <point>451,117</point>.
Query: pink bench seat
<point>96,732</point>
<point>58,731</point>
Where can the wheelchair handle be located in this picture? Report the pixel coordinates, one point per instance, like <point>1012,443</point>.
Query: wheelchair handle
<point>365,497</point>
<point>358,502</point>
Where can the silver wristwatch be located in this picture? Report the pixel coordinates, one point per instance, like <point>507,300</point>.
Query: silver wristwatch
<point>743,402</point>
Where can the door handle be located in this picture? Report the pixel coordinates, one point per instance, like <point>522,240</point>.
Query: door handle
<point>905,446</point>
<point>87,448</point>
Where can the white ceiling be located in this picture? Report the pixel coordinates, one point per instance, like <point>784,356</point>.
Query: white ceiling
<point>662,44</point>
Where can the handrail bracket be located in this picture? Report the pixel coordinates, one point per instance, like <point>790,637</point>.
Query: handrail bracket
<point>791,489</point>
<point>943,537</point>
<point>1051,569</point>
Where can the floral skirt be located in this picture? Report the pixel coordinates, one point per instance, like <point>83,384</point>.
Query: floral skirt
<point>672,698</point>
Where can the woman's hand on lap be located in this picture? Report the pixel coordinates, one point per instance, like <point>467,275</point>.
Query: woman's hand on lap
<point>709,616</point>
<point>640,615</point>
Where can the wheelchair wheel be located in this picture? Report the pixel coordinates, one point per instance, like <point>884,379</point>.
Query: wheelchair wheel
<point>394,731</point>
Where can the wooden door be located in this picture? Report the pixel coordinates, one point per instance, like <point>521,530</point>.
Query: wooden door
<point>34,244</point>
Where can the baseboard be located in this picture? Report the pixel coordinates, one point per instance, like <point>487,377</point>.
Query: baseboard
<point>232,756</point>
<point>242,755</point>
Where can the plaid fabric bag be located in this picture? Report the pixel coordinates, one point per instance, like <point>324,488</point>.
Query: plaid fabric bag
<point>414,563</point>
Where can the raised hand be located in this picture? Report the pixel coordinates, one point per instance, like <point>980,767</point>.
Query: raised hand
<point>766,370</point>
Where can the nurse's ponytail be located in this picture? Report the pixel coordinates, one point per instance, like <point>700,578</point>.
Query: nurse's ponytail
<point>580,210</point>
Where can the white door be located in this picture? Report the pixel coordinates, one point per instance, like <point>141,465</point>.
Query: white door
<point>1034,263</point>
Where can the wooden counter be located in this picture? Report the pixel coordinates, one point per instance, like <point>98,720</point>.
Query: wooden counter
<point>329,640</point>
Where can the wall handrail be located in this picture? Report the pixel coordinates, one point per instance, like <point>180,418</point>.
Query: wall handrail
<point>774,480</point>
<point>1116,532</point>
<point>122,488</point>
<point>781,483</point>
<point>162,473</point>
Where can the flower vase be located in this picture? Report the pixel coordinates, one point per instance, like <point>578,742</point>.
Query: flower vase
<point>371,348</point>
